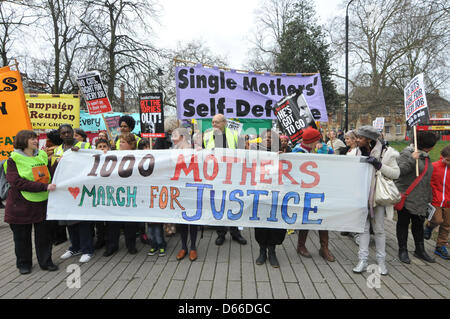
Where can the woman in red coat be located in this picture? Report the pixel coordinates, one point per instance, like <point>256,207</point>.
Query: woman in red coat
<point>440,186</point>
<point>29,177</point>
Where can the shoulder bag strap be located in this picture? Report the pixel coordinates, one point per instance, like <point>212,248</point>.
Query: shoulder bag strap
<point>418,179</point>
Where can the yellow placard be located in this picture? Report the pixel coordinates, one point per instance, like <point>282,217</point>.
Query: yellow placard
<point>49,111</point>
<point>13,110</point>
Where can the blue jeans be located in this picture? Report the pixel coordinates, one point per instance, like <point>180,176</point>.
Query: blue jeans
<point>156,235</point>
<point>81,237</point>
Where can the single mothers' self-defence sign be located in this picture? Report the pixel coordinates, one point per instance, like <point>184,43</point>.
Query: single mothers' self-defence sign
<point>204,92</point>
<point>213,187</point>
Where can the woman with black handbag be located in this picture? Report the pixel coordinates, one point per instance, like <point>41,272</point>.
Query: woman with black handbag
<point>415,205</point>
<point>383,158</point>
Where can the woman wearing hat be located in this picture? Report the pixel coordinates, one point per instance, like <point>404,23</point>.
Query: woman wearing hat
<point>384,159</point>
<point>311,144</point>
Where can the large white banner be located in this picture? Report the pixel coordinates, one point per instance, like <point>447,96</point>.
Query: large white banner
<point>213,187</point>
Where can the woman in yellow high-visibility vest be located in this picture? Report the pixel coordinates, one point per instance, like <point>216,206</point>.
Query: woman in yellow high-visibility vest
<point>28,175</point>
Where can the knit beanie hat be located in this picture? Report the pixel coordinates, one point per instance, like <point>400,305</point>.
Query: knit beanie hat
<point>310,135</point>
<point>369,132</point>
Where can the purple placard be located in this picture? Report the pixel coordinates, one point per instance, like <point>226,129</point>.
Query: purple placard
<point>205,92</point>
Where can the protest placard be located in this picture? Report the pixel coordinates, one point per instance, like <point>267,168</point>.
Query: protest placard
<point>204,92</point>
<point>94,123</point>
<point>151,113</point>
<point>416,108</point>
<point>221,187</point>
<point>113,124</point>
<point>49,111</point>
<point>94,92</point>
<point>13,110</point>
<point>294,115</point>
<point>378,123</point>
<point>235,126</point>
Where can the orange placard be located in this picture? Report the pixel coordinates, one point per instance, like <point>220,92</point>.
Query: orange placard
<point>41,174</point>
<point>13,110</point>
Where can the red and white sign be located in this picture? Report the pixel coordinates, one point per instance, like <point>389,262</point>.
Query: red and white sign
<point>94,93</point>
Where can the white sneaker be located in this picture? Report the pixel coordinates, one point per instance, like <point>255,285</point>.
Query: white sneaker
<point>85,258</point>
<point>69,254</point>
<point>360,267</point>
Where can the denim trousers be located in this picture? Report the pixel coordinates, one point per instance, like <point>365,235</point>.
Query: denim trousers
<point>81,237</point>
<point>156,234</point>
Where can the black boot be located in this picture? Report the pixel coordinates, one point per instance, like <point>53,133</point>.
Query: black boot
<point>273,257</point>
<point>421,253</point>
<point>403,255</point>
<point>262,255</point>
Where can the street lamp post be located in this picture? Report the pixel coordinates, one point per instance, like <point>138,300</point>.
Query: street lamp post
<point>346,67</point>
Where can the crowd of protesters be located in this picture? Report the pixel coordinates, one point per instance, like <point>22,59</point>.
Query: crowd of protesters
<point>27,198</point>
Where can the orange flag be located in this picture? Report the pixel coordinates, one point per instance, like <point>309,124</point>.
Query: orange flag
<point>13,110</point>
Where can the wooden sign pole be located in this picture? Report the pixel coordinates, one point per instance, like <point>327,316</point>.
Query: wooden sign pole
<point>415,149</point>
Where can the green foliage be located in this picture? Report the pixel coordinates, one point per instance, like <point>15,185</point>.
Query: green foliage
<point>434,154</point>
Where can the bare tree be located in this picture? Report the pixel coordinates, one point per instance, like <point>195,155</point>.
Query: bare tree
<point>118,34</point>
<point>391,41</point>
<point>14,16</point>
<point>272,19</point>
<point>195,51</point>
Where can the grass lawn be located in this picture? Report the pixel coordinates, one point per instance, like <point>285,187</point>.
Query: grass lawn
<point>434,154</point>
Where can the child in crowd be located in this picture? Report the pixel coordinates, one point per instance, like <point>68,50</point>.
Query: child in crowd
<point>100,226</point>
<point>440,185</point>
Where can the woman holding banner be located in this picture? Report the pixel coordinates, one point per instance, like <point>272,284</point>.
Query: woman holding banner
<point>182,139</point>
<point>28,175</point>
<point>268,238</point>
<point>127,142</point>
<point>384,160</point>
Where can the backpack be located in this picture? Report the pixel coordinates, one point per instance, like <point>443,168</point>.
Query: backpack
<point>4,185</point>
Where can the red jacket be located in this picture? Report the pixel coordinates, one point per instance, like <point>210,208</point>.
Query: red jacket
<point>440,184</point>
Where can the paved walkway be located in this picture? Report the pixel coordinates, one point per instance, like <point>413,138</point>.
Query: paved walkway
<point>226,272</point>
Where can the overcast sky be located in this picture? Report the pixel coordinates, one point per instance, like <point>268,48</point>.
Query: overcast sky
<point>225,26</point>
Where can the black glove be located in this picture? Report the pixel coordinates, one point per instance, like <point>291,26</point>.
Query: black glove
<point>376,163</point>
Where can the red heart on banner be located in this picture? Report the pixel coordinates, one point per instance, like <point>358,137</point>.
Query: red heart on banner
<point>74,191</point>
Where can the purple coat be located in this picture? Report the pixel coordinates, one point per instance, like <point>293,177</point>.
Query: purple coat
<point>19,210</point>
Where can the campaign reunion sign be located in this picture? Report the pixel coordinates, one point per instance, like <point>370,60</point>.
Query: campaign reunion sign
<point>213,187</point>
<point>13,110</point>
<point>294,115</point>
<point>94,92</point>
<point>48,111</point>
<point>204,92</point>
<point>151,113</point>
<point>416,108</point>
